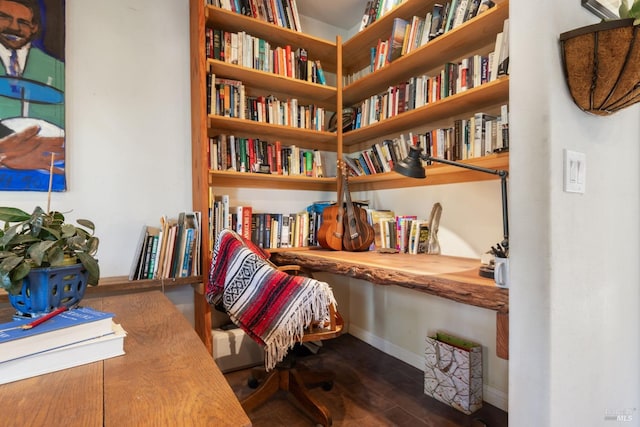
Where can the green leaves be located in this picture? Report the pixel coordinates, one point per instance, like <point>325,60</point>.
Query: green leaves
<point>13,215</point>
<point>630,12</point>
<point>43,239</point>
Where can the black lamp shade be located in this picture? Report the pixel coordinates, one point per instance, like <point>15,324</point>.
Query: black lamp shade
<point>411,166</point>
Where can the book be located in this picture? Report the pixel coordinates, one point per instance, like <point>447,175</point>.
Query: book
<point>365,17</point>
<point>66,328</point>
<point>68,356</point>
<point>503,59</point>
<point>243,221</point>
<point>436,20</point>
<point>138,253</point>
<point>320,73</point>
<point>397,38</point>
<point>493,71</point>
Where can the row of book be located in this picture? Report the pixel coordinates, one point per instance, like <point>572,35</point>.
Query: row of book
<point>283,13</point>
<point>404,233</point>
<point>232,153</point>
<point>407,36</point>
<point>170,250</point>
<point>252,52</point>
<point>478,135</point>
<point>374,9</point>
<point>31,347</point>
<point>227,97</point>
<point>267,230</point>
<point>426,89</point>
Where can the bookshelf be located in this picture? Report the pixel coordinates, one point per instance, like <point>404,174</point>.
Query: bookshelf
<point>475,36</point>
<point>259,83</point>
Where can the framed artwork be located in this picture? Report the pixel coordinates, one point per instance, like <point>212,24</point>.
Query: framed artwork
<point>32,76</point>
<point>605,9</point>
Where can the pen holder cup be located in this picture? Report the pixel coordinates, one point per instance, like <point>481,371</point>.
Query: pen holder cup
<point>45,289</point>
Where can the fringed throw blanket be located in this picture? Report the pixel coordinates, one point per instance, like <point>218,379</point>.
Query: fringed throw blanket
<point>273,307</point>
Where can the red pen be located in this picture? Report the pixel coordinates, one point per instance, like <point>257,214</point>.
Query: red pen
<point>44,318</point>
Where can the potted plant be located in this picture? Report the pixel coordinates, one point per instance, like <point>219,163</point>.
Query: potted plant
<point>41,249</point>
<point>602,62</point>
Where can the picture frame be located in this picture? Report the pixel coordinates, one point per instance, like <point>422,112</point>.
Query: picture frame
<point>605,9</point>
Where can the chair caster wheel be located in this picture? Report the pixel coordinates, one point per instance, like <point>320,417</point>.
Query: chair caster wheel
<point>327,386</point>
<point>252,383</point>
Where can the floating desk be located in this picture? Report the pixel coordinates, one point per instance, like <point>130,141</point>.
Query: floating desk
<point>166,377</point>
<point>453,278</point>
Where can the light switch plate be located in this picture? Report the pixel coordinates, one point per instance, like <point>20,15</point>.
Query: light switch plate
<point>575,171</point>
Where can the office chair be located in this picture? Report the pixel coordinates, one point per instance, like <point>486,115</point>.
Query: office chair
<point>278,310</point>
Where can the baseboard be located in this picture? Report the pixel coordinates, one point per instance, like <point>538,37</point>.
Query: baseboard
<point>491,395</point>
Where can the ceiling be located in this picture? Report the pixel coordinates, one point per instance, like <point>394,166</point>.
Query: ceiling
<point>339,13</point>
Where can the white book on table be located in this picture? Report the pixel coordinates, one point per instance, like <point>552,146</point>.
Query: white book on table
<point>65,357</point>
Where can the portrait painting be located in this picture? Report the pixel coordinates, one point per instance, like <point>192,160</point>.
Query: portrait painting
<point>32,80</point>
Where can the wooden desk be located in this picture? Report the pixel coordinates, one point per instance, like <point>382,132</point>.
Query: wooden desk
<point>454,278</point>
<point>166,377</point>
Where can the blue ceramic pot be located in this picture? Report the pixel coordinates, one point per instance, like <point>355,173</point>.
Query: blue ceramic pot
<point>46,289</point>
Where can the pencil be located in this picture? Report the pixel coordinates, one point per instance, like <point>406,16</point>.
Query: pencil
<point>44,318</point>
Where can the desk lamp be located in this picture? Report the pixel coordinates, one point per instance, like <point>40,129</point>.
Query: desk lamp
<point>412,167</point>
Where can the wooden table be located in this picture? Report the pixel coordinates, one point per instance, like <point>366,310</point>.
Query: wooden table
<point>166,377</point>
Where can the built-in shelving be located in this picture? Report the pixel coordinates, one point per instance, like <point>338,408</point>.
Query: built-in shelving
<point>472,37</point>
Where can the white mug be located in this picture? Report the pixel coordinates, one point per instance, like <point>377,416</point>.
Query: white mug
<point>501,272</point>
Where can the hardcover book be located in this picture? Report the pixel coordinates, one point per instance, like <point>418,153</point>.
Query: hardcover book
<point>66,328</point>
<point>68,356</point>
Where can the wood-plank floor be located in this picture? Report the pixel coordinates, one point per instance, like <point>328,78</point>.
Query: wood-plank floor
<point>371,389</point>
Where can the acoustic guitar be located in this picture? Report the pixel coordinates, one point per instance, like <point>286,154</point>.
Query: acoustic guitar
<point>332,227</point>
<point>359,233</point>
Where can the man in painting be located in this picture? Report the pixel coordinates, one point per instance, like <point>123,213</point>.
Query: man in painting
<point>31,128</point>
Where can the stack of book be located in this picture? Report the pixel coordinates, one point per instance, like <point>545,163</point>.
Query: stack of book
<point>171,250</point>
<point>71,338</point>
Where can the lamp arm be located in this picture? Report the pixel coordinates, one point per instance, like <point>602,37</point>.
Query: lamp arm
<point>503,184</point>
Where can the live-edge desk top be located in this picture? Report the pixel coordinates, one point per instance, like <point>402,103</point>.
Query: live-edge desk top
<point>454,278</point>
<point>166,377</point>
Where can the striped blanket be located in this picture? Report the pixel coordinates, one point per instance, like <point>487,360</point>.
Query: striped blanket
<point>271,306</point>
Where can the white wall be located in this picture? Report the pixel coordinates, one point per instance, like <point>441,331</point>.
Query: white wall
<point>574,303</point>
<point>127,121</point>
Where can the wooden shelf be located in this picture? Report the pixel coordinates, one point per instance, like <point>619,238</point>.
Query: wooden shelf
<point>472,35</point>
<point>437,174</point>
<point>122,284</point>
<point>457,105</point>
<point>317,48</point>
<point>281,87</point>
<point>305,138</point>
<point>357,50</point>
<point>279,182</point>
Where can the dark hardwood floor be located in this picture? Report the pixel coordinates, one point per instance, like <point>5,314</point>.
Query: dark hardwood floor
<point>371,389</point>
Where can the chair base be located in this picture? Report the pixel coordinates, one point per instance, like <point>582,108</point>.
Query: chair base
<point>296,382</point>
